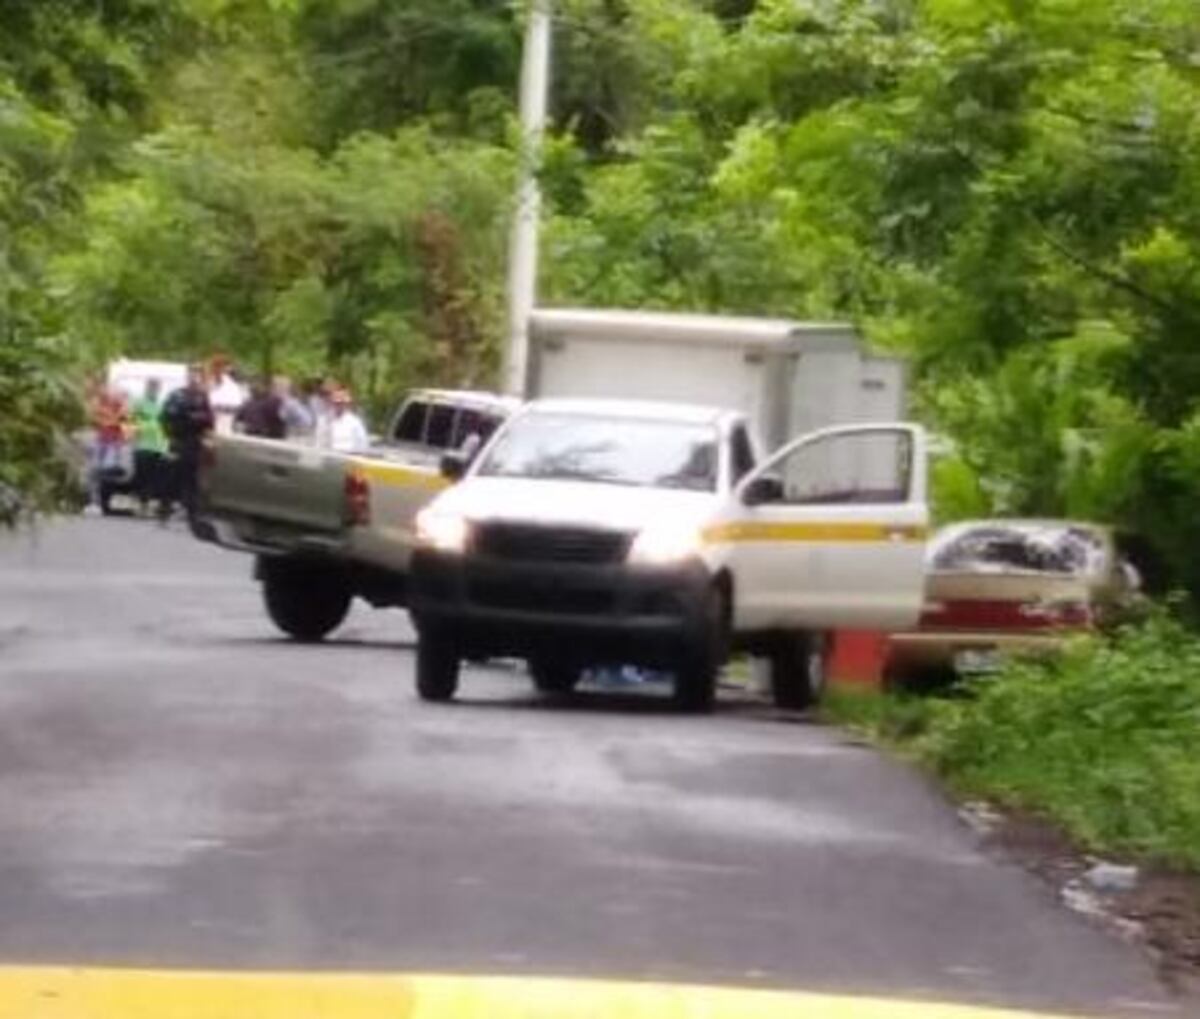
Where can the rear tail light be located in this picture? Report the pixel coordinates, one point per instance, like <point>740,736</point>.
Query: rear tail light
<point>982,614</point>
<point>358,497</point>
<point>974,614</point>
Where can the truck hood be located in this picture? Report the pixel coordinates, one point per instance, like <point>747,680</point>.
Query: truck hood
<point>575,503</point>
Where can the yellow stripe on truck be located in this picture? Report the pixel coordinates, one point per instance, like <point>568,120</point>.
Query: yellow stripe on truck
<point>833,531</point>
<point>68,993</point>
<point>398,476</point>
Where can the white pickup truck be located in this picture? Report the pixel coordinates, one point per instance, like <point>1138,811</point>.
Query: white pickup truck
<point>593,531</point>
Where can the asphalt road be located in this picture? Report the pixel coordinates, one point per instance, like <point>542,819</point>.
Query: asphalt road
<point>181,788</point>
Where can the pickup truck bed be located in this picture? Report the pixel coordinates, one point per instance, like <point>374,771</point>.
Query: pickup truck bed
<point>266,495</point>
<point>327,526</point>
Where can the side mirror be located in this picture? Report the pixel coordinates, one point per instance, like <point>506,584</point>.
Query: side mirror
<point>453,465</point>
<point>765,489</point>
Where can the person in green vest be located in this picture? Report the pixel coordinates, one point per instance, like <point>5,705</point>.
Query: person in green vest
<point>149,446</point>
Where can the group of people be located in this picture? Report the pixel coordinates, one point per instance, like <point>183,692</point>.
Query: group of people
<point>322,413</point>
<point>167,436</point>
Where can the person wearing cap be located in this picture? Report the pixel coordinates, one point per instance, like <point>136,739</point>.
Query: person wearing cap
<point>347,433</point>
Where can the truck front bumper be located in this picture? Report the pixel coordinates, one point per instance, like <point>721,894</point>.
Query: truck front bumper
<point>593,614</point>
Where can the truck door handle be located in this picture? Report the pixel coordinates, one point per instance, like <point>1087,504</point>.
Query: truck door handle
<point>277,472</point>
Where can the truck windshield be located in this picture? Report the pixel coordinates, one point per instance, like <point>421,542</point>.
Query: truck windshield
<point>649,453</point>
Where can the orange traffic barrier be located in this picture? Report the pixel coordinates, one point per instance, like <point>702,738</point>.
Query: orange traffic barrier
<point>858,657</point>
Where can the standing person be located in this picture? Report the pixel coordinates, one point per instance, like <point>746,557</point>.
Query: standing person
<point>188,419</point>
<point>261,414</point>
<point>226,395</point>
<point>317,393</point>
<point>347,433</point>
<point>297,420</point>
<point>149,446</point>
<point>110,417</point>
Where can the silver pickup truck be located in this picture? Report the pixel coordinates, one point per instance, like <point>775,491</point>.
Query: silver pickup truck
<point>327,527</point>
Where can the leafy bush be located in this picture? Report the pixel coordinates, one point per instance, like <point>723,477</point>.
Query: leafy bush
<point>36,469</point>
<point>1104,740</point>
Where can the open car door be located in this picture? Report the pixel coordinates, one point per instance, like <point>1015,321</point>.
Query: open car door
<point>830,532</point>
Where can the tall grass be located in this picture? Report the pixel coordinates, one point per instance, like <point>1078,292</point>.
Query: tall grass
<point>1104,740</point>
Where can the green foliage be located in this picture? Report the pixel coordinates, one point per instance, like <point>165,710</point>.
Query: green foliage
<point>1107,741</point>
<point>957,490</point>
<point>88,60</point>
<point>378,64</point>
<point>37,464</point>
<point>75,79</point>
<point>35,390</point>
<point>1104,741</point>
<point>288,260</point>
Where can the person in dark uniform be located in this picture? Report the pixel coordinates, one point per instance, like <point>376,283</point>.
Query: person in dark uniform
<point>262,413</point>
<point>187,418</point>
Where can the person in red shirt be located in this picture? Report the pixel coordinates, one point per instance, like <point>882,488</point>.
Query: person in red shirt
<point>110,420</point>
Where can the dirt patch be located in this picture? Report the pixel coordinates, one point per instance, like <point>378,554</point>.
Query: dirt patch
<point>1161,912</point>
<point>1167,906</point>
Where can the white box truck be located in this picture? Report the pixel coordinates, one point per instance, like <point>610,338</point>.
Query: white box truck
<point>787,377</point>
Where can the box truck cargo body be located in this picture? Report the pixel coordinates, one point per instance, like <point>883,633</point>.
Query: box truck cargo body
<point>788,377</point>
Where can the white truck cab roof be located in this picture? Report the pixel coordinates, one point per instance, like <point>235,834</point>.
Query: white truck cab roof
<point>466,397</point>
<point>684,328</point>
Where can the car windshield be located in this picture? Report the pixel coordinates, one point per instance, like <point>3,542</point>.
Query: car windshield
<point>621,451</point>
<point>1038,548</point>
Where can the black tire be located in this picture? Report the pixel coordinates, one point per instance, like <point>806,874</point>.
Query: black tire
<point>438,664</point>
<point>553,675</point>
<point>306,601</point>
<point>696,675</point>
<point>798,663</point>
<point>204,530</point>
<point>919,679</point>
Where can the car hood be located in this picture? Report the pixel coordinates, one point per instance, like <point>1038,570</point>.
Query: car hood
<point>575,503</point>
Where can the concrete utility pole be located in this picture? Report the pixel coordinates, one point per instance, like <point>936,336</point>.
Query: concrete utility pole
<point>523,247</point>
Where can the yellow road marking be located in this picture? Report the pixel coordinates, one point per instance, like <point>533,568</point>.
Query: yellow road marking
<point>836,531</point>
<point>67,993</point>
<point>400,476</point>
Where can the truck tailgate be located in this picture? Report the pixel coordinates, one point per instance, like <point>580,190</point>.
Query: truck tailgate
<point>278,481</point>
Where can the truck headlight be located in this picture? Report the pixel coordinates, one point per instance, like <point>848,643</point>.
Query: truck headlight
<point>663,546</point>
<point>442,531</point>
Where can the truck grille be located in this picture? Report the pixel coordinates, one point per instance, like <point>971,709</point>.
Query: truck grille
<point>543,544</point>
<point>532,597</point>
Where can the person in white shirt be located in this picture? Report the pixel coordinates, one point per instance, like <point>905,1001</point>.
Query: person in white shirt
<point>316,398</point>
<point>226,396</point>
<point>347,433</point>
